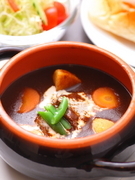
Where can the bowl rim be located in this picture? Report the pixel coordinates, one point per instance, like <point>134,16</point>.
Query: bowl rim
<point>77,142</point>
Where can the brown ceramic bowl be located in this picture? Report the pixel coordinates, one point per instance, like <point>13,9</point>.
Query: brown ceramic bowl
<point>38,156</point>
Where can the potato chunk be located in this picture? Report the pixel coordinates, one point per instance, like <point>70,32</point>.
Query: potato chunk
<point>100,125</point>
<point>64,79</point>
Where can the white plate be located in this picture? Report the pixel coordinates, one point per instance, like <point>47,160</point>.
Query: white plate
<point>117,45</point>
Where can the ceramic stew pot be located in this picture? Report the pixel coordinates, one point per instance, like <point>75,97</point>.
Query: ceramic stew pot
<point>38,156</point>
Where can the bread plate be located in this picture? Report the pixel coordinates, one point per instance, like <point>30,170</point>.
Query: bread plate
<point>119,46</point>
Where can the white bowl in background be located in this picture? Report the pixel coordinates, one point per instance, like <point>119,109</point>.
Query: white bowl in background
<point>51,35</point>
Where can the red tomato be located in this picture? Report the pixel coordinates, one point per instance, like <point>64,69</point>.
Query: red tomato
<point>61,11</point>
<point>52,17</point>
<point>55,15</point>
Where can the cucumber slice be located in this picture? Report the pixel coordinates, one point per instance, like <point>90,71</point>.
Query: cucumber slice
<point>40,11</point>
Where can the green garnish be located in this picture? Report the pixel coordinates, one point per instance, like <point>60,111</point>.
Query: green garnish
<point>47,116</point>
<point>61,111</point>
<point>65,123</point>
<point>54,117</point>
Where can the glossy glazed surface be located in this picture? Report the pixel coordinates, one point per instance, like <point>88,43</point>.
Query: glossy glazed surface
<point>69,54</point>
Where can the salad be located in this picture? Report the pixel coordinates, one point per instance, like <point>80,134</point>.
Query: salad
<point>28,17</point>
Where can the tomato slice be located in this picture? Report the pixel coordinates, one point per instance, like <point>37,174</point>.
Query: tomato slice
<point>51,14</point>
<point>61,11</point>
<point>55,15</point>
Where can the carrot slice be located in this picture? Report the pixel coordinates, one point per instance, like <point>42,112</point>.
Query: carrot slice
<point>13,5</point>
<point>30,99</point>
<point>106,97</point>
<point>64,79</point>
<point>99,125</point>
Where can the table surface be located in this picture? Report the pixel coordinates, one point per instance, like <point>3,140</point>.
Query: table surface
<point>74,33</point>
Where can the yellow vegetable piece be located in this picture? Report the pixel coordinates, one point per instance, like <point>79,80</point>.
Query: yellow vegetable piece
<point>99,125</point>
<point>64,79</point>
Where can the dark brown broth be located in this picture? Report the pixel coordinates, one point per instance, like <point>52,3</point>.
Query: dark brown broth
<point>41,80</point>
